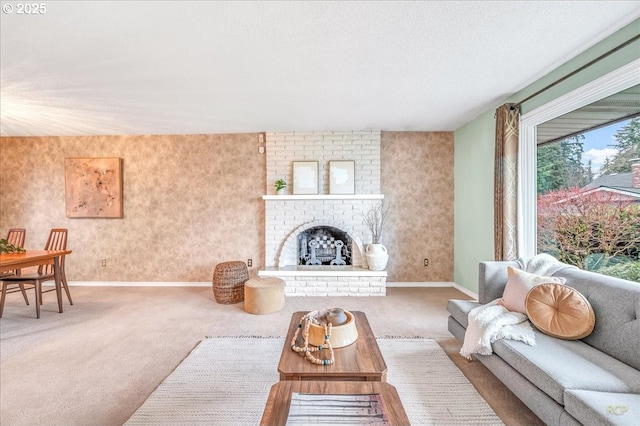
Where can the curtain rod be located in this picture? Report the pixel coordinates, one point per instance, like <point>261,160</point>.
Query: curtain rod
<point>571,74</point>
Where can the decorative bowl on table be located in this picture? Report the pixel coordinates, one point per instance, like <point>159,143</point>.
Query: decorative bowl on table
<point>341,335</point>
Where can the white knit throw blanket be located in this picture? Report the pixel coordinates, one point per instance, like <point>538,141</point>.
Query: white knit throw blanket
<point>490,322</point>
<point>543,264</point>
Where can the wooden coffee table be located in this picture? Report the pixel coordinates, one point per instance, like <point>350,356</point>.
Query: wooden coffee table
<point>361,360</point>
<point>279,400</point>
<point>277,408</point>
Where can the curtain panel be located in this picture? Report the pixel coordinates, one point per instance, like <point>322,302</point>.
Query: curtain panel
<point>506,183</point>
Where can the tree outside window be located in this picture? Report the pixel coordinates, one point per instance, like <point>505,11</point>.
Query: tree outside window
<point>587,218</point>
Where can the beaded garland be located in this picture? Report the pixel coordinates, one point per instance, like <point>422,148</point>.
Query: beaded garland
<point>306,350</point>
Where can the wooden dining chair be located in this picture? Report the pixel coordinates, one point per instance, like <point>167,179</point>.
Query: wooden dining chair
<point>16,237</point>
<point>57,241</point>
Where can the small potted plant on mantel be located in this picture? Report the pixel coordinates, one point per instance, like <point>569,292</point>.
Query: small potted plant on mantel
<point>376,253</point>
<point>281,185</point>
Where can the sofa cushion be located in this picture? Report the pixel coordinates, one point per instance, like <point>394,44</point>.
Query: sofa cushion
<point>555,365</point>
<point>560,311</point>
<point>492,278</point>
<point>616,304</point>
<point>459,310</point>
<point>598,408</point>
<point>518,285</point>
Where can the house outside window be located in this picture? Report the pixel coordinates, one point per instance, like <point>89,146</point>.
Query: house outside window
<point>588,199</point>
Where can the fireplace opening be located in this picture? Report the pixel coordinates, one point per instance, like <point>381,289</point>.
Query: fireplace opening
<point>324,245</point>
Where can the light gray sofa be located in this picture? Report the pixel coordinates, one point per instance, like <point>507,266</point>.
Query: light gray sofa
<point>593,381</point>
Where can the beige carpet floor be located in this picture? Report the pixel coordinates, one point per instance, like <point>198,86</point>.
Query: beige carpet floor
<point>96,363</point>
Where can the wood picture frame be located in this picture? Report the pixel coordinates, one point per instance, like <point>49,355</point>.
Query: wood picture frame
<point>342,177</point>
<point>93,187</point>
<point>305,177</point>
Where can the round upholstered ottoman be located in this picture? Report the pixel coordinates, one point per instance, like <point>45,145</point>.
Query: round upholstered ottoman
<point>228,281</point>
<point>263,295</point>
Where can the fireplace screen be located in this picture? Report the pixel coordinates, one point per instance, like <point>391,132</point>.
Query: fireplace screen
<point>324,245</point>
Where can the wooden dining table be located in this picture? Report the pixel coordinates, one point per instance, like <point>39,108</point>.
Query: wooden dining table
<point>13,261</point>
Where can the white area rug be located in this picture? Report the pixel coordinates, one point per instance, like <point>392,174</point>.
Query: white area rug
<point>226,381</point>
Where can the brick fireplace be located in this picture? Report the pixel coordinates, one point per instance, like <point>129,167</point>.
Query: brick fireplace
<point>286,216</point>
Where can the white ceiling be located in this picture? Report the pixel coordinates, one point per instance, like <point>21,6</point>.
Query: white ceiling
<point>181,67</point>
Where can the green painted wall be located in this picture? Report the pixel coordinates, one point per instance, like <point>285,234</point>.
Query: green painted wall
<point>473,198</point>
<point>474,153</point>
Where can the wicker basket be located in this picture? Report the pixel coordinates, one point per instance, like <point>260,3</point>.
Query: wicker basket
<point>228,282</point>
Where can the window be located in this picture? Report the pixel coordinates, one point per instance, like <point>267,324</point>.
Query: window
<point>614,82</point>
<point>588,199</point>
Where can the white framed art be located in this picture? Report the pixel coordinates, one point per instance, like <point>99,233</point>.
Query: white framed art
<point>305,177</point>
<point>342,177</point>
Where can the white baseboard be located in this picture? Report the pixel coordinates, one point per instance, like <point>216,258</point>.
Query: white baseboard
<point>466,291</point>
<point>137,284</point>
<point>208,284</point>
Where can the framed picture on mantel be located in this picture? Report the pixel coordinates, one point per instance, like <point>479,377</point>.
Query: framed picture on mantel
<point>305,177</point>
<point>342,177</point>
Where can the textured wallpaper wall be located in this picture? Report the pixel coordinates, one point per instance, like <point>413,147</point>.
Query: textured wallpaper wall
<point>191,201</point>
<point>417,180</point>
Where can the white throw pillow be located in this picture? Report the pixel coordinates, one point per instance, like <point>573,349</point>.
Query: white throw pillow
<point>518,285</point>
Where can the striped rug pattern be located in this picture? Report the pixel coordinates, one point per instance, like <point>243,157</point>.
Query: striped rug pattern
<point>226,381</point>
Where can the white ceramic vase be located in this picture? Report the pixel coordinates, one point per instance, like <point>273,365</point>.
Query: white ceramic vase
<point>377,257</point>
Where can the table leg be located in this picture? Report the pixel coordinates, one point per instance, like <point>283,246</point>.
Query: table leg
<point>38,297</point>
<point>56,274</point>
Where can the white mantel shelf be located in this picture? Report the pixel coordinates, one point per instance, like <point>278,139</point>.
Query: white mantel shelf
<point>324,197</point>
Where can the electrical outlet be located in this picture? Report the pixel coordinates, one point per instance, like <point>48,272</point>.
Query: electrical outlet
<point>250,262</point>
<point>426,262</point>
<point>103,263</point>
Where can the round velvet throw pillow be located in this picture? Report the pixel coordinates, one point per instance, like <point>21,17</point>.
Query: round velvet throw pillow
<point>560,311</point>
